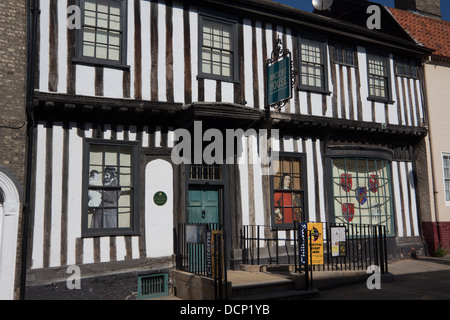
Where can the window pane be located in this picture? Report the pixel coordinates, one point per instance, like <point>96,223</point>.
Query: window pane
<point>88,50</point>
<point>114,23</point>
<point>124,218</point>
<point>115,7</point>
<point>90,5</point>
<point>114,53</point>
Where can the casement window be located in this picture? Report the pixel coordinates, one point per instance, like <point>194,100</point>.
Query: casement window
<point>362,192</point>
<point>313,70</point>
<point>102,38</point>
<point>405,67</point>
<point>446,169</point>
<point>110,196</point>
<point>378,77</point>
<point>344,54</point>
<point>218,56</point>
<point>289,190</point>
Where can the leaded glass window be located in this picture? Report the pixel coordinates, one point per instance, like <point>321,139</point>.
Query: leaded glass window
<point>362,192</point>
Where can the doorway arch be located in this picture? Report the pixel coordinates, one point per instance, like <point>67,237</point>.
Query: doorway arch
<point>9,224</point>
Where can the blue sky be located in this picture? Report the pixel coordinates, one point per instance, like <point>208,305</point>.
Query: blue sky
<point>306,5</point>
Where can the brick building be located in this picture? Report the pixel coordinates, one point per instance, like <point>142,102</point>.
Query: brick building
<point>13,131</point>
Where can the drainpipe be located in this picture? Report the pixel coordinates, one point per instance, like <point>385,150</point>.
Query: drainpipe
<point>433,172</point>
<point>32,25</point>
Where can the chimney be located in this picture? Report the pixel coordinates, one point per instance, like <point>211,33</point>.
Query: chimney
<point>426,7</point>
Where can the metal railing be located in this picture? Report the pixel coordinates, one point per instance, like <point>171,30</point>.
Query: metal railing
<point>365,245</point>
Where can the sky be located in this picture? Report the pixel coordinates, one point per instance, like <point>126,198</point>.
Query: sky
<point>306,5</point>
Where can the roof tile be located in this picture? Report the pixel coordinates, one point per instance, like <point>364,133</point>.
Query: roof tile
<point>430,32</point>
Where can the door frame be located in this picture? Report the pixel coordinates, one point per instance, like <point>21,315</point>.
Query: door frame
<point>224,212</point>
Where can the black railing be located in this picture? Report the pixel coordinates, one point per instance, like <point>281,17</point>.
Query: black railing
<point>200,250</point>
<point>364,245</point>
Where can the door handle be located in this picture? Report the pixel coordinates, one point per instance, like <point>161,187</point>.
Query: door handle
<point>203,214</point>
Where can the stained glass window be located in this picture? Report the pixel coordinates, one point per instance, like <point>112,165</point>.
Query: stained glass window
<point>362,192</point>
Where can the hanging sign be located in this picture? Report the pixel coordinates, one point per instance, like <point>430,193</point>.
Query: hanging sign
<point>280,76</point>
<point>279,81</point>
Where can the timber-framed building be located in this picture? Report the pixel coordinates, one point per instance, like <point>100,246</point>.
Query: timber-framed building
<point>110,95</point>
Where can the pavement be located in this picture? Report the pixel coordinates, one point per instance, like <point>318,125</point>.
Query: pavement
<point>422,278</point>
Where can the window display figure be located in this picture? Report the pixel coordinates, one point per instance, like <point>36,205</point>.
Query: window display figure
<point>105,216</point>
<point>287,203</point>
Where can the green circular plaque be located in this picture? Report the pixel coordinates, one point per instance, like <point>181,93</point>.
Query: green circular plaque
<point>160,198</point>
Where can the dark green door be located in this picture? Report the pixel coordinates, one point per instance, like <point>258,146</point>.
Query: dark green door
<point>204,205</point>
<point>203,208</point>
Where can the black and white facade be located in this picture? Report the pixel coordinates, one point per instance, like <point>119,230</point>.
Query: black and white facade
<point>110,96</point>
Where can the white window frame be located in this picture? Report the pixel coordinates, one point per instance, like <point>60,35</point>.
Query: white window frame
<point>445,154</point>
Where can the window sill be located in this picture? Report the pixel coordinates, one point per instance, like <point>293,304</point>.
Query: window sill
<point>381,100</point>
<point>99,63</point>
<point>312,90</point>
<point>108,233</point>
<point>223,79</point>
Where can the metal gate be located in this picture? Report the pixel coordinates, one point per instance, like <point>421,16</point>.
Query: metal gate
<point>200,249</point>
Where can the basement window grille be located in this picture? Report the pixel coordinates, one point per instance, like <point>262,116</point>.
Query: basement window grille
<point>153,286</point>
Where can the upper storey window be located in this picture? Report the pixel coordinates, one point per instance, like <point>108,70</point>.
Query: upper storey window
<point>344,54</point>
<point>405,67</point>
<point>102,37</point>
<point>218,49</point>
<point>378,74</point>
<point>313,65</point>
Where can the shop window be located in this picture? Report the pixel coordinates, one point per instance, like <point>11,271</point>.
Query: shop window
<point>288,191</point>
<point>110,184</point>
<point>362,192</point>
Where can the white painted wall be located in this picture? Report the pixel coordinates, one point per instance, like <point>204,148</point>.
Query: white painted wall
<point>158,219</point>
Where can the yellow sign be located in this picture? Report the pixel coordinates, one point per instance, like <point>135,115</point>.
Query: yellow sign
<point>315,231</point>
